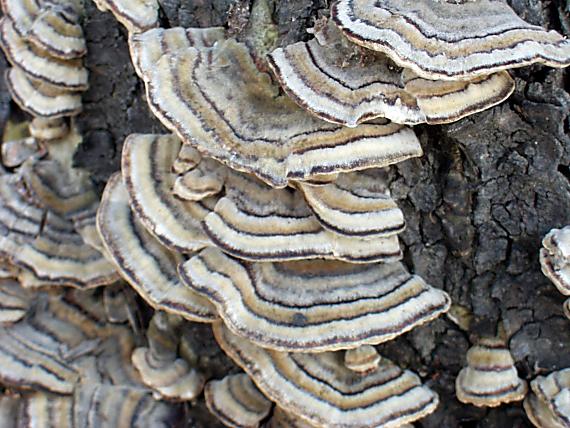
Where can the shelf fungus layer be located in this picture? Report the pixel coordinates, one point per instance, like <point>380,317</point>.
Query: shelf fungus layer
<point>40,99</point>
<point>332,78</point>
<point>149,267</point>
<point>549,403</point>
<point>14,301</point>
<point>449,40</point>
<point>313,306</point>
<point>68,74</point>
<point>490,378</point>
<point>364,359</point>
<point>355,204</point>
<point>135,15</point>
<point>236,401</point>
<point>256,222</point>
<point>217,100</point>
<point>321,390</point>
<point>147,162</point>
<point>555,258</point>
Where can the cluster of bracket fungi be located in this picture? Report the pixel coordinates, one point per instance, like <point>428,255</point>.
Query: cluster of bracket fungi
<point>265,213</point>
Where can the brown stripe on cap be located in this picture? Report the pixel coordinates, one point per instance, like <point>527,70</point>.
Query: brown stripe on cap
<point>340,83</point>
<point>217,100</point>
<point>149,267</point>
<point>147,172</point>
<point>48,129</point>
<point>313,306</point>
<point>67,74</point>
<point>236,401</point>
<point>450,40</point>
<point>356,204</point>
<point>490,377</point>
<point>554,391</point>
<point>40,99</point>
<point>321,390</point>
<point>136,15</point>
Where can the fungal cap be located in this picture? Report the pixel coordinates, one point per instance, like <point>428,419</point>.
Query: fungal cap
<point>48,129</point>
<point>236,401</point>
<point>490,378</point>
<point>448,40</point>
<point>319,389</point>
<point>136,15</point>
<point>555,258</point>
<point>14,301</point>
<point>363,360</point>
<point>316,305</point>
<point>149,267</point>
<point>340,83</point>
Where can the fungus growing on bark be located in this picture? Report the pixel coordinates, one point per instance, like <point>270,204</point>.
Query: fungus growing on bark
<point>490,378</point>
<point>135,15</point>
<point>16,152</point>
<point>149,267</point>
<point>548,405</point>
<point>216,99</point>
<point>340,83</point>
<point>206,179</point>
<point>364,359</point>
<point>159,366</point>
<point>236,402</point>
<point>313,306</point>
<point>450,40</point>
<point>355,204</point>
<point>48,129</point>
<point>319,389</point>
<point>555,258</point>
<point>41,99</point>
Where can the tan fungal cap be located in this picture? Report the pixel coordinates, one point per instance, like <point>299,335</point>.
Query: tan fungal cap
<point>41,99</point>
<point>313,306</point>
<point>39,64</point>
<point>147,171</point>
<point>160,369</point>
<point>256,222</point>
<point>43,129</point>
<point>356,204</point>
<point>321,390</point>
<point>16,152</point>
<point>450,40</point>
<point>149,267</point>
<point>342,83</point>
<point>548,405</point>
<point>135,15</point>
<point>217,100</point>
<point>236,402</point>
<point>148,47</point>
<point>22,13</point>
<point>9,405</point>
<point>364,359</point>
<point>188,158</point>
<point>14,301</point>
<point>490,378</point>
<point>555,258</point>
<point>206,179</point>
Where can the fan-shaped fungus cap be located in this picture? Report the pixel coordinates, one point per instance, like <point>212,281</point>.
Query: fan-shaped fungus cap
<point>38,64</point>
<point>236,402</point>
<point>340,83</point>
<point>188,158</point>
<point>16,152</point>
<point>14,301</point>
<point>490,377</point>
<point>313,306</point>
<point>321,390</point>
<point>147,48</point>
<point>149,267</point>
<point>363,360</point>
<point>217,100</point>
<point>48,129</point>
<point>549,404</point>
<point>555,258</point>
<point>256,222</point>
<point>206,179</point>
<point>450,40</point>
<point>22,13</point>
<point>355,204</point>
<point>41,99</point>
<point>147,171</point>
<point>136,15</point>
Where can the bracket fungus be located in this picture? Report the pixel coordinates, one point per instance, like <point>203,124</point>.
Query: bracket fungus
<point>319,389</point>
<point>216,99</point>
<point>149,267</point>
<point>135,15</point>
<point>364,359</point>
<point>236,401</point>
<point>490,377</point>
<point>42,129</point>
<point>548,405</point>
<point>313,306</point>
<point>555,258</point>
<point>14,301</point>
<point>448,39</point>
<point>333,79</point>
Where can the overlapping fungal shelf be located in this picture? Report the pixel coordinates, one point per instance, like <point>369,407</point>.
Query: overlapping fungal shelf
<point>263,210</point>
